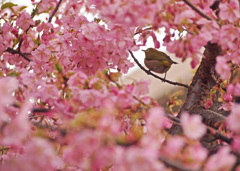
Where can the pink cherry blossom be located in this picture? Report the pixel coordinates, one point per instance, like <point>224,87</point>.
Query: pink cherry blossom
<point>7,86</point>
<point>184,16</point>
<point>227,97</point>
<point>173,146</point>
<point>46,5</point>
<point>222,160</point>
<point>64,107</point>
<point>25,21</point>
<point>228,37</point>
<point>229,11</point>
<point>192,126</point>
<point>208,103</point>
<point>45,27</point>
<point>141,88</point>
<point>47,93</point>
<point>234,119</point>
<point>194,156</point>
<point>236,144</point>
<point>156,120</point>
<point>2,46</point>
<point>42,53</point>
<point>132,159</point>
<point>222,67</point>
<point>234,89</point>
<point>38,153</point>
<point>18,129</point>
<point>77,80</point>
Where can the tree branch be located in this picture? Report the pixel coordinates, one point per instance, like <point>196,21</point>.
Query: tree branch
<point>140,31</point>
<point>54,12</point>
<point>18,51</point>
<point>215,113</point>
<point>197,9</point>
<point>150,73</point>
<point>42,110</point>
<point>12,51</point>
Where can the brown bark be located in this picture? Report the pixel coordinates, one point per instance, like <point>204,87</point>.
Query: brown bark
<point>203,81</point>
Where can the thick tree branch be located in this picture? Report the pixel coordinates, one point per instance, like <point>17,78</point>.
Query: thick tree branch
<point>202,83</point>
<point>216,113</point>
<point>210,117</point>
<point>54,12</point>
<point>197,9</point>
<point>150,73</point>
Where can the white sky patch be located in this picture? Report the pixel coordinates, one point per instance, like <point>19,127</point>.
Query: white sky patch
<point>23,3</point>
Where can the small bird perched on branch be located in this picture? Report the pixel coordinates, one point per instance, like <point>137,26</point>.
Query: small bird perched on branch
<point>157,61</point>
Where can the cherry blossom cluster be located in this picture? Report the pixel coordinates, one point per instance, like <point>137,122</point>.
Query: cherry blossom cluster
<point>62,104</point>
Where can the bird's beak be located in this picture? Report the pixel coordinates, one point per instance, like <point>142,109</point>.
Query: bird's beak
<point>144,50</point>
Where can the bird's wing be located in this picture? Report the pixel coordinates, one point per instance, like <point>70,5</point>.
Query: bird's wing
<point>158,56</point>
<point>167,57</point>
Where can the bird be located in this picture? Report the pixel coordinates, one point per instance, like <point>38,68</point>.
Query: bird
<point>157,61</point>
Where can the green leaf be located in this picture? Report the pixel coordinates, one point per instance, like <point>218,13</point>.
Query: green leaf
<point>34,12</point>
<point>14,74</point>
<point>8,5</point>
<point>22,8</point>
<point>58,67</point>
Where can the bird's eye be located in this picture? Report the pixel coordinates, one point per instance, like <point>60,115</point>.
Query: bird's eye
<point>147,50</point>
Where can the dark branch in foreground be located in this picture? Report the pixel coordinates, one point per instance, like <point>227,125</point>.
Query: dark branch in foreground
<point>12,51</point>
<point>40,110</point>
<point>197,9</point>
<point>150,73</point>
<point>54,12</point>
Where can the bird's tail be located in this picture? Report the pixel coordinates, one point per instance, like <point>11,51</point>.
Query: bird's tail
<point>175,62</point>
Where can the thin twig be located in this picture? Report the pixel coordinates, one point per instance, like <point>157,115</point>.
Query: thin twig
<point>12,51</point>
<point>142,30</point>
<point>188,31</point>
<point>21,41</point>
<point>54,12</point>
<point>150,73</point>
<point>197,10</point>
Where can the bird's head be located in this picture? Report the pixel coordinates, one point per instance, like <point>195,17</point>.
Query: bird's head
<point>149,50</point>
